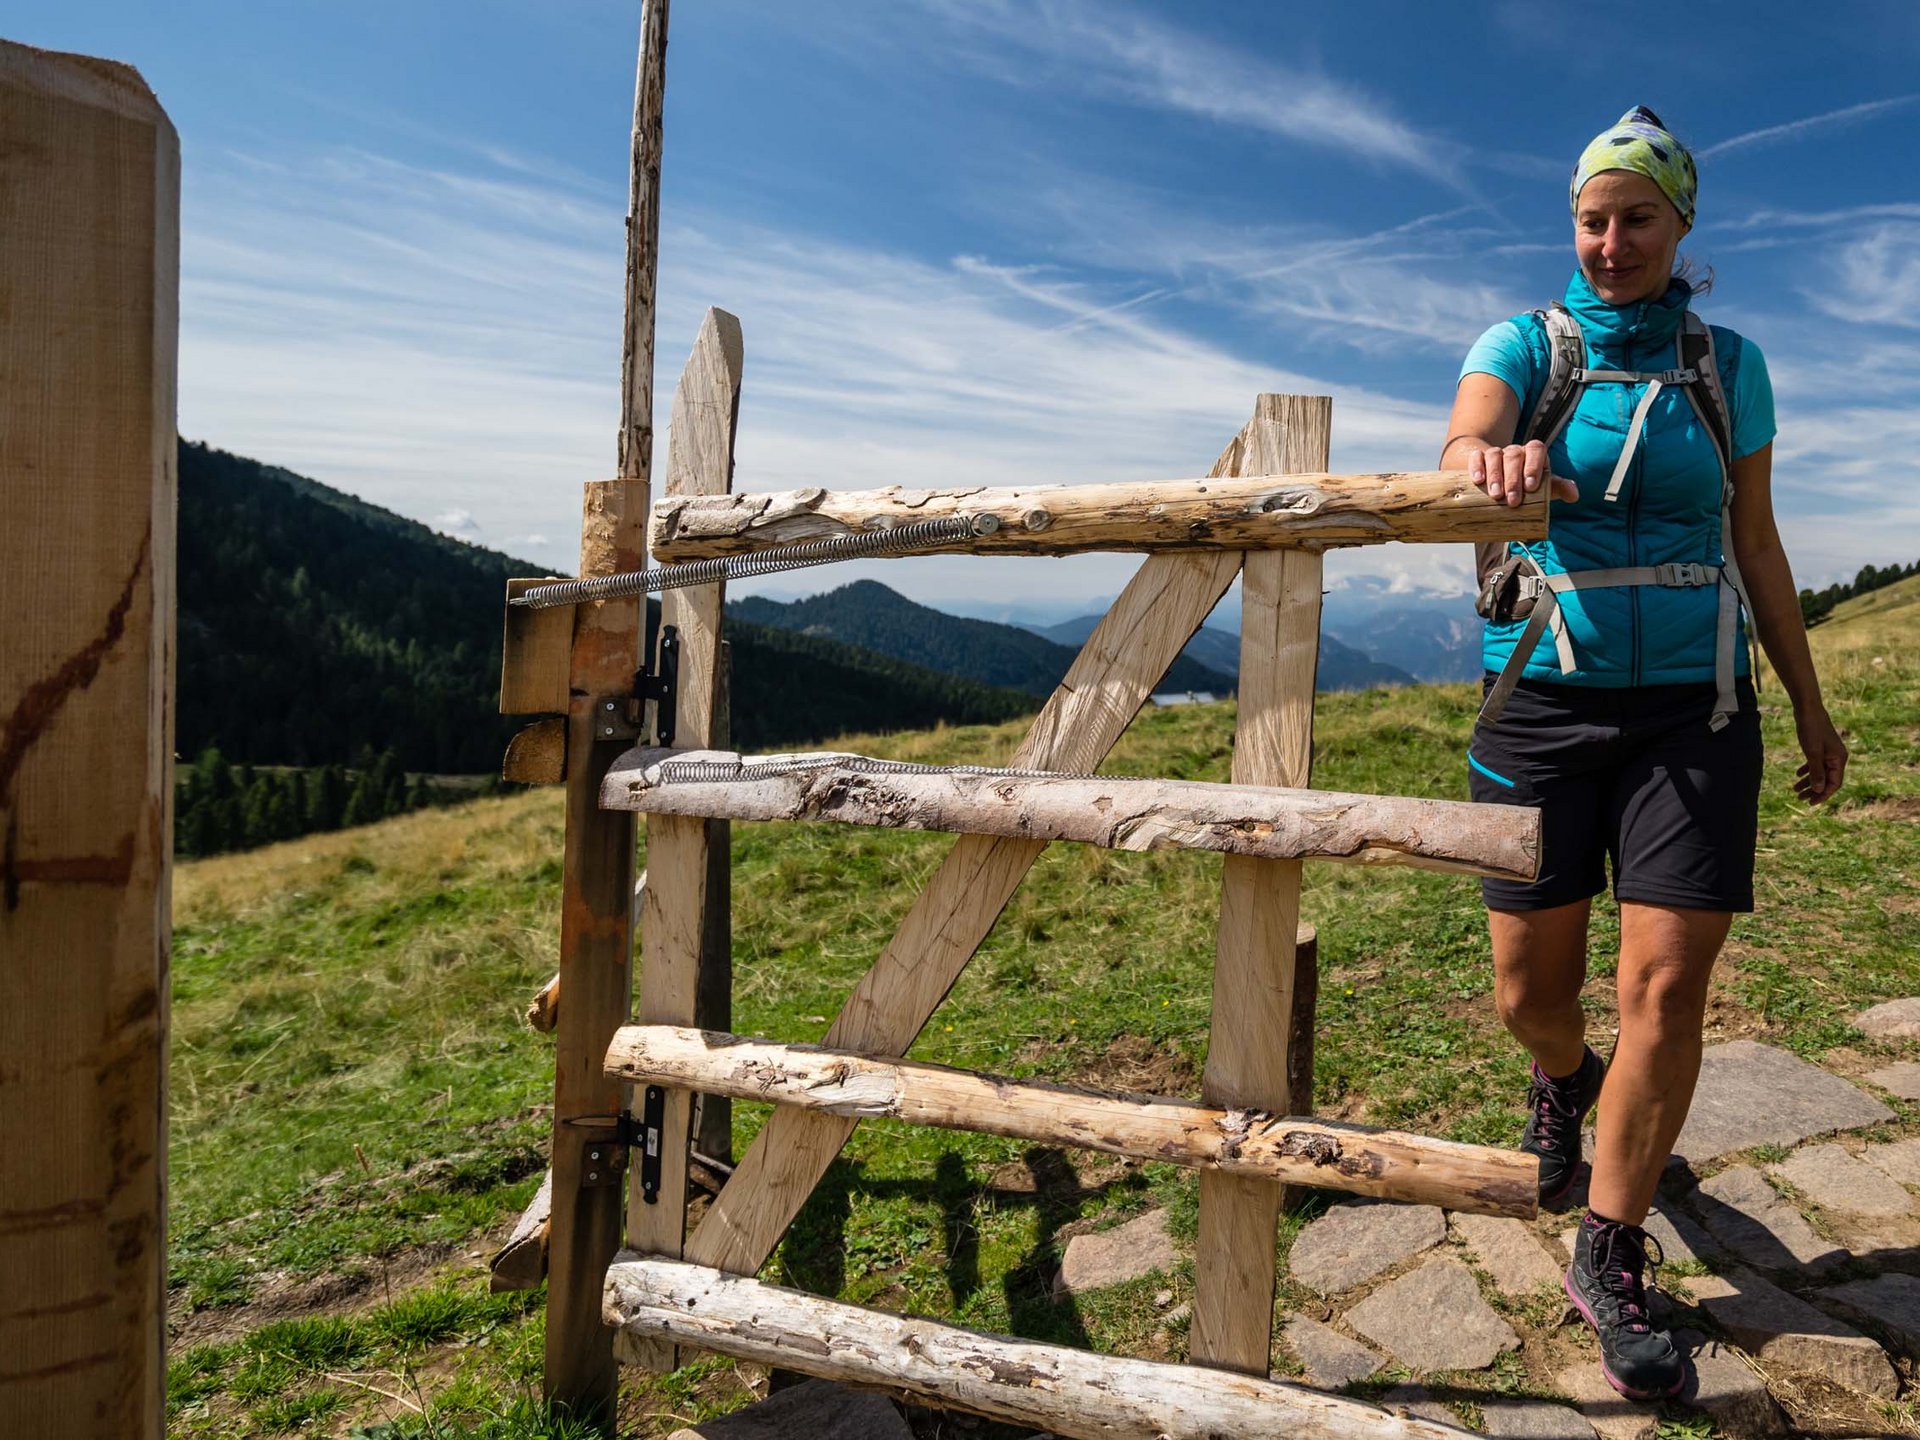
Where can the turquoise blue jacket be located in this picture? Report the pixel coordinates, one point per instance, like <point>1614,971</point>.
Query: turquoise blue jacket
<point>1668,510</point>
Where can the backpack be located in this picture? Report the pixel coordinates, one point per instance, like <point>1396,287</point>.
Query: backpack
<point>1511,583</point>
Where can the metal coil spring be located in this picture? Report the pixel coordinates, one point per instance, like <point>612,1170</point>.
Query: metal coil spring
<point>693,772</point>
<point>911,536</point>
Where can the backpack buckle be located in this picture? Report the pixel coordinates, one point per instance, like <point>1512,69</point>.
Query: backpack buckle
<point>1685,575</point>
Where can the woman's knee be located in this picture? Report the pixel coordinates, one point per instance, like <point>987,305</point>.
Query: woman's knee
<point>1666,995</point>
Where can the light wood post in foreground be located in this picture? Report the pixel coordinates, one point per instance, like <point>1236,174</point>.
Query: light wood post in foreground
<point>596,914</point>
<point>89,268</point>
<point>1253,977</point>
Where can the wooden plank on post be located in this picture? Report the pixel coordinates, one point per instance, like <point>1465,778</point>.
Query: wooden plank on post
<point>1165,602</point>
<point>89,275</point>
<point>1259,904</point>
<point>674,927</point>
<point>536,654</point>
<point>596,915</point>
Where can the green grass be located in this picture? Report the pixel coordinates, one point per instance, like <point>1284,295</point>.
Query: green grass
<point>353,1089</point>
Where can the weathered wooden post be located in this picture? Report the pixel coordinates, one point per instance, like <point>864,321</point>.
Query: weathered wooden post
<point>596,931</point>
<point>89,270</point>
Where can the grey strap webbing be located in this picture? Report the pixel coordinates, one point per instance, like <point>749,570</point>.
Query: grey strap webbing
<point>1545,590</point>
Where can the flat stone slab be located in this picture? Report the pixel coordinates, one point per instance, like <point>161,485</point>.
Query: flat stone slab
<point>1509,1252</point>
<point>1835,1180</point>
<point>1725,1387</point>
<point>1899,1160</point>
<point>1330,1359</point>
<point>1783,1331</point>
<point>1610,1413</point>
<point>817,1409</point>
<point>1351,1244</point>
<point>1752,1094</point>
<point>1110,1257</point>
<point>1895,1020</point>
<point>1535,1420</point>
<point>1751,1219</point>
<point>1901,1078</point>
<point>1434,1319</point>
<point>1887,1304</point>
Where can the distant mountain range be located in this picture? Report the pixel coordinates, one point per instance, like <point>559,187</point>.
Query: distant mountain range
<point>1341,666</point>
<point>874,617</point>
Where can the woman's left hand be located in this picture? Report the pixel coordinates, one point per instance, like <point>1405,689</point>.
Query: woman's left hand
<point>1819,779</point>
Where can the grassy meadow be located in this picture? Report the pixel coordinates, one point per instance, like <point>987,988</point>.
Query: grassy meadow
<point>358,1110</point>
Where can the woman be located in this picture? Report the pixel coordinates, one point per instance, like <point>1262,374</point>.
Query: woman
<point>1634,730</point>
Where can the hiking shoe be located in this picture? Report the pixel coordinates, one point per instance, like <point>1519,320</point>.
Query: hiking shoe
<point>1603,1283</point>
<point>1553,1127</point>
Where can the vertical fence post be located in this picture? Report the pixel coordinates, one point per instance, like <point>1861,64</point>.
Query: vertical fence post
<point>596,930</point>
<point>1254,968</point>
<point>89,269</point>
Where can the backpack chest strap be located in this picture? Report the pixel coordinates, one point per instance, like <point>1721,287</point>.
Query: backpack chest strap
<point>1655,381</point>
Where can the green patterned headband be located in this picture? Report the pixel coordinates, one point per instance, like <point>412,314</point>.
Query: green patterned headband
<point>1637,141</point>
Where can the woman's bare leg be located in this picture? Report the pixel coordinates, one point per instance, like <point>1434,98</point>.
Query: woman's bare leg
<point>1666,960</point>
<point>1539,965</point>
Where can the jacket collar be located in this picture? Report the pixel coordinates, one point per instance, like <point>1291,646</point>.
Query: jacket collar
<point>1645,322</point>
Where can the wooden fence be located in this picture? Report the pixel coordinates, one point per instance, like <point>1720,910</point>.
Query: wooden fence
<point>638,1067</point>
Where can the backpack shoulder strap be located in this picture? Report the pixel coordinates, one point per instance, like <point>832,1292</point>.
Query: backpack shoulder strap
<point>1708,394</point>
<point>1567,350</point>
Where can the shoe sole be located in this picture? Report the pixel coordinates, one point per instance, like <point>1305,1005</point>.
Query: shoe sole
<point>1566,1284</point>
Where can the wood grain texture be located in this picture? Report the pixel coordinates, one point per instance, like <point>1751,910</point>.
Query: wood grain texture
<point>596,916</point>
<point>89,269</point>
<point>676,902</point>
<point>1116,813</point>
<point>1249,1142</point>
<point>1253,981</point>
<point>1049,1387</point>
<point>537,755</point>
<point>1109,680</point>
<point>521,1263</point>
<point>1248,510</point>
<point>536,654</point>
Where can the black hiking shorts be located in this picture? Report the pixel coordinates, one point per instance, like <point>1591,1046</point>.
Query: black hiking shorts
<point>1631,777</point>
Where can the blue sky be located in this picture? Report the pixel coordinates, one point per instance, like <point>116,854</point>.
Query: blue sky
<point>978,241</point>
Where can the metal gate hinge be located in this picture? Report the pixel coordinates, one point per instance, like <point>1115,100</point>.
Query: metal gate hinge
<point>620,717</point>
<point>604,1156</point>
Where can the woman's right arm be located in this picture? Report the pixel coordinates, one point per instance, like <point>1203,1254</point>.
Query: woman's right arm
<point>1485,408</point>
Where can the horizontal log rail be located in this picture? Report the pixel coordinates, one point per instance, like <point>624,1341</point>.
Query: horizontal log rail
<point>1256,512</point>
<point>1063,1391</point>
<point>1382,1163</point>
<point>1117,813</point>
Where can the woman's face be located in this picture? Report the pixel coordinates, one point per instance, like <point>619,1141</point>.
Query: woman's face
<point>1625,232</point>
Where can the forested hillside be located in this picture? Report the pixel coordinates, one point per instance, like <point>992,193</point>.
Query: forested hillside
<point>315,628</point>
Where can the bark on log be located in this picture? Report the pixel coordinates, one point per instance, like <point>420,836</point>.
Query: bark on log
<point>521,1263</point>
<point>1063,1391</point>
<point>1119,814</point>
<point>1255,512</point>
<point>543,1011</point>
<point>537,755</point>
<point>1255,1143</point>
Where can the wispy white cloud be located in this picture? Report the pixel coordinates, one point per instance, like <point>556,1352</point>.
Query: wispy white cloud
<point>1874,277</point>
<point>1113,50</point>
<point>1796,129</point>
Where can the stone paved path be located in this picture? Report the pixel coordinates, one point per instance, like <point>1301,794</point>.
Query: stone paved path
<point>1752,1261</point>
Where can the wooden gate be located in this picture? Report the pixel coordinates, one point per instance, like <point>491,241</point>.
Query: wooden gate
<point>1266,512</point>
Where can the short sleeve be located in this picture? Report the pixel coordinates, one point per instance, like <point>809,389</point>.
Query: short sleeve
<point>1751,401</point>
<point>1503,352</point>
